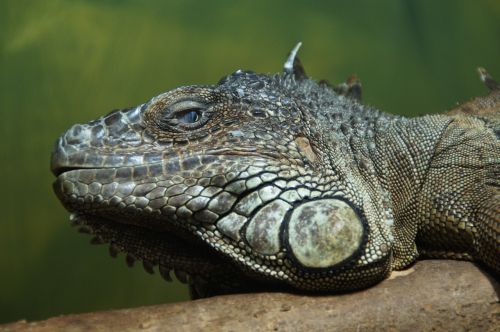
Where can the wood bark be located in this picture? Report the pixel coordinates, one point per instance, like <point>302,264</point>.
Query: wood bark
<point>435,295</point>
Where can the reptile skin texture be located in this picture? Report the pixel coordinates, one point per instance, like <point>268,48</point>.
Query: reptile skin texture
<point>280,182</point>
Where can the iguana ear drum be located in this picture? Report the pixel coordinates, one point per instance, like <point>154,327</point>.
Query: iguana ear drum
<point>324,233</point>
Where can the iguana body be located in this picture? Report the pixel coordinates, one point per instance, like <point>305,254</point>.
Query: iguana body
<point>277,181</point>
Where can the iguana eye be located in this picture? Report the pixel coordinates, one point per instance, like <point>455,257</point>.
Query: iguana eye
<point>184,114</point>
<point>189,116</point>
<point>187,111</point>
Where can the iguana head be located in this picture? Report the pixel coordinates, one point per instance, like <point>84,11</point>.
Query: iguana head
<point>253,179</point>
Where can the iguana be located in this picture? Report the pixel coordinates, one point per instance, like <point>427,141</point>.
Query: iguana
<point>280,182</point>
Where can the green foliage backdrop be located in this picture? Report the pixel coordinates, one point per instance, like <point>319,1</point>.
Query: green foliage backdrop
<point>63,62</point>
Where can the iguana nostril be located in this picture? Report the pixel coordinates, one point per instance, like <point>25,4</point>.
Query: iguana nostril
<point>78,134</point>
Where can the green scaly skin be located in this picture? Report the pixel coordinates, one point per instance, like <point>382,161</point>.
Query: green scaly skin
<point>279,182</point>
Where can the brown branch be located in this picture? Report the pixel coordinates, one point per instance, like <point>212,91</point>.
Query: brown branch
<point>432,295</point>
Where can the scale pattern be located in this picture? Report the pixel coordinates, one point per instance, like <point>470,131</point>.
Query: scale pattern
<point>276,181</point>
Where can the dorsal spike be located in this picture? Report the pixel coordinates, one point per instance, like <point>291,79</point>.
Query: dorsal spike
<point>351,88</point>
<point>487,79</point>
<point>293,66</point>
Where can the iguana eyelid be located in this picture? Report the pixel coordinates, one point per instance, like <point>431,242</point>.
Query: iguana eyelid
<point>185,106</point>
<point>177,114</point>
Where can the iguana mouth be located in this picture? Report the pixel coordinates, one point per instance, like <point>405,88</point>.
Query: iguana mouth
<point>250,152</point>
<point>57,171</point>
<point>60,170</point>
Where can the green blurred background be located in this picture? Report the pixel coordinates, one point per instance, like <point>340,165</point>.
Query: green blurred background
<point>63,62</point>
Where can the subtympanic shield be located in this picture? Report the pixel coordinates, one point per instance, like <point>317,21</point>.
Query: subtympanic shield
<point>324,233</point>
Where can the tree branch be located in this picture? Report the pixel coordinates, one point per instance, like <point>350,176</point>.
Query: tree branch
<point>432,295</point>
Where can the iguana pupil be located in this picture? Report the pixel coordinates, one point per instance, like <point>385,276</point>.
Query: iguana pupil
<point>190,116</point>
